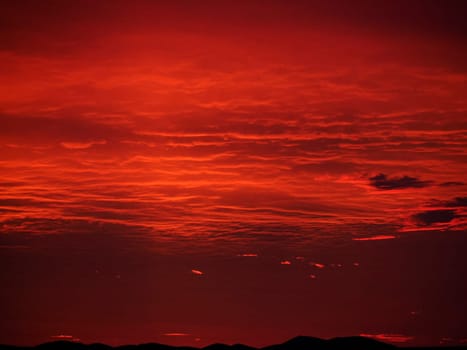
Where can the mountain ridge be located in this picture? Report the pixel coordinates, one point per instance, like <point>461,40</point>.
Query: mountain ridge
<point>296,343</point>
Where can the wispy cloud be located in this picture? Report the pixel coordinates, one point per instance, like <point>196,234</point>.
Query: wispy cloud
<point>248,255</point>
<point>374,238</point>
<point>62,336</point>
<point>392,338</point>
<point>81,145</point>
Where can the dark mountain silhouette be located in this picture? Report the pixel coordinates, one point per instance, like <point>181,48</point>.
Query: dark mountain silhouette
<point>228,347</point>
<point>297,343</point>
<point>350,343</point>
<point>356,343</point>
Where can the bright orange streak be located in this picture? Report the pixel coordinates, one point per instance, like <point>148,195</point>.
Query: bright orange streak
<point>394,338</point>
<point>248,255</point>
<point>317,265</point>
<point>62,336</point>
<point>374,238</point>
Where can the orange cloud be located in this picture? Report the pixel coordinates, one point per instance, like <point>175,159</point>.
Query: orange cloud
<point>317,265</point>
<point>374,238</point>
<point>81,145</point>
<point>392,338</point>
<point>61,336</point>
<point>248,255</point>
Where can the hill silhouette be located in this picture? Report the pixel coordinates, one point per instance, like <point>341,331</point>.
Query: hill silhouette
<point>297,343</point>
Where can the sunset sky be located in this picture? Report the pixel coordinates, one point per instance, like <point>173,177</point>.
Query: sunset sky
<point>190,172</point>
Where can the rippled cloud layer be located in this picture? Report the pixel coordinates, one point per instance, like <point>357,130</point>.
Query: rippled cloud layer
<point>294,140</point>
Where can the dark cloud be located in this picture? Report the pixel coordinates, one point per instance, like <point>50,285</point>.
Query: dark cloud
<point>56,226</point>
<point>56,129</point>
<point>431,217</point>
<point>21,202</point>
<point>383,182</point>
<point>457,202</point>
<point>452,183</point>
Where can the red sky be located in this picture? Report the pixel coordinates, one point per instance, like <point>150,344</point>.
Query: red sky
<point>193,172</point>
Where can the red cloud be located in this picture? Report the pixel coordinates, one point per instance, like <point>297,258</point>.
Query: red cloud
<point>61,336</point>
<point>317,265</point>
<point>248,255</point>
<point>374,238</point>
<point>393,338</point>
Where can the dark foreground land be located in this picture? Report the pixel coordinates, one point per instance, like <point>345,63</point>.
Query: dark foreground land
<point>298,343</point>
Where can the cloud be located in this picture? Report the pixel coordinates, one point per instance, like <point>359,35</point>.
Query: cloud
<point>393,338</point>
<point>436,214</point>
<point>72,131</point>
<point>82,145</point>
<point>374,238</point>
<point>451,183</point>
<point>457,202</point>
<point>186,158</point>
<point>383,182</point>
<point>62,336</point>
<point>65,337</point>
<point>431,217</point>
<point>317,265</point>
<point>248,255</point>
